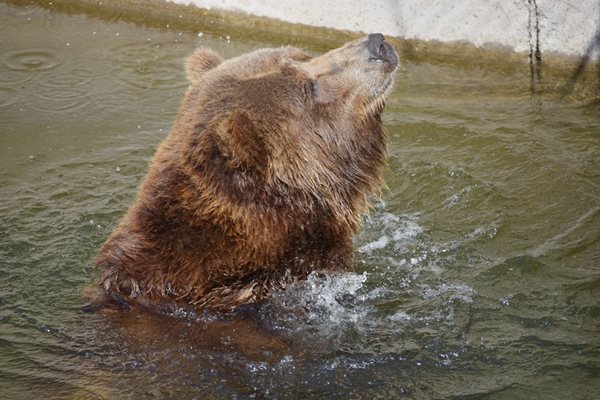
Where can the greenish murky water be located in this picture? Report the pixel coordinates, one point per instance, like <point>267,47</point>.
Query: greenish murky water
<point>477,273</point>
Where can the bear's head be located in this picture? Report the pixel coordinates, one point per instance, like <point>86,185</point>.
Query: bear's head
<point>279,128</point>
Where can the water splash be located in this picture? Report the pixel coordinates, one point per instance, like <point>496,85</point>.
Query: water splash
<point>404,273</point>
<point>322,304</point>
<point>386,229</point>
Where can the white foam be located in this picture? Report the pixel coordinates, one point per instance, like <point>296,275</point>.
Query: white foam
<point>325,295</point>
<point>461,292</point>
<point>375,245</point>
<point>391,229</point>
<point>489,231</point>
<point>408,231</point>
<point>322,303</point>
<point>400,316</point>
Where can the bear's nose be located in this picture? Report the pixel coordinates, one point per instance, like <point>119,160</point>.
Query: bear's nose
<point>375,43</point>
<point>379,50</point>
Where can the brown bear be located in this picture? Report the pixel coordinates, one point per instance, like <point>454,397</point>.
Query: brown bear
<point>261,181</point>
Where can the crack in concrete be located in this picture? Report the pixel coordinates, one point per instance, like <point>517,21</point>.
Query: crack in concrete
<point>535,52</point>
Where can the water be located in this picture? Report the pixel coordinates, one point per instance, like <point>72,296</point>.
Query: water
<point>477,272</point>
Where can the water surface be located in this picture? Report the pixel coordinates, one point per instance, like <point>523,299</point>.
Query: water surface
<point>477,273</point>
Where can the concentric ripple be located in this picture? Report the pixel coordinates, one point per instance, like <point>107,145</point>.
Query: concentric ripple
<point>164,73</point>
<point>61,99</point>
<point>30,60</point>
<point>148,65</point>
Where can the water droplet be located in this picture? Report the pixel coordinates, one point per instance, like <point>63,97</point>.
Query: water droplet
<point>505,301</point>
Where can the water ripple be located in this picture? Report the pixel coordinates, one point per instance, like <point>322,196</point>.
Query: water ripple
<point>55,99</point>
<point>30,60</point>
<point>164,73</point>
<point>148,65</point>
<point>8,96</point>
<point>9,78</point>
<point>132,54</point>
<point>73,78</point>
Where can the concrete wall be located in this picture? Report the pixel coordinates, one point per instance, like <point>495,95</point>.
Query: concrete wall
<point>564,26</point>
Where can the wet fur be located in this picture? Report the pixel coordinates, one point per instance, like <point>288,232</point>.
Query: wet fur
<point>261,181</point>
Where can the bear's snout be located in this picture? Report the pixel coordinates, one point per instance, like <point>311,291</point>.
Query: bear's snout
<point>380,50</point>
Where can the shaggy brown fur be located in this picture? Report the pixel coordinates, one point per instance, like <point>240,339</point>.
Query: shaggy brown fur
<point>262,179</point>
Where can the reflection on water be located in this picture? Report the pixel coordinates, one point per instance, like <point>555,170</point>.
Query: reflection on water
<point>476,274</point>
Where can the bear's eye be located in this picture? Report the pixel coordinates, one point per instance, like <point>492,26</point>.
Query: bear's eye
<point>310,89</point>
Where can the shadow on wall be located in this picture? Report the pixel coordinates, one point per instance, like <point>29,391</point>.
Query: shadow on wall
<point>584,61</point>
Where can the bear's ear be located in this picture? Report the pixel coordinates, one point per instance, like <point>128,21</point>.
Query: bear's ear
<point>324,89</point>
<point>199,62</point>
